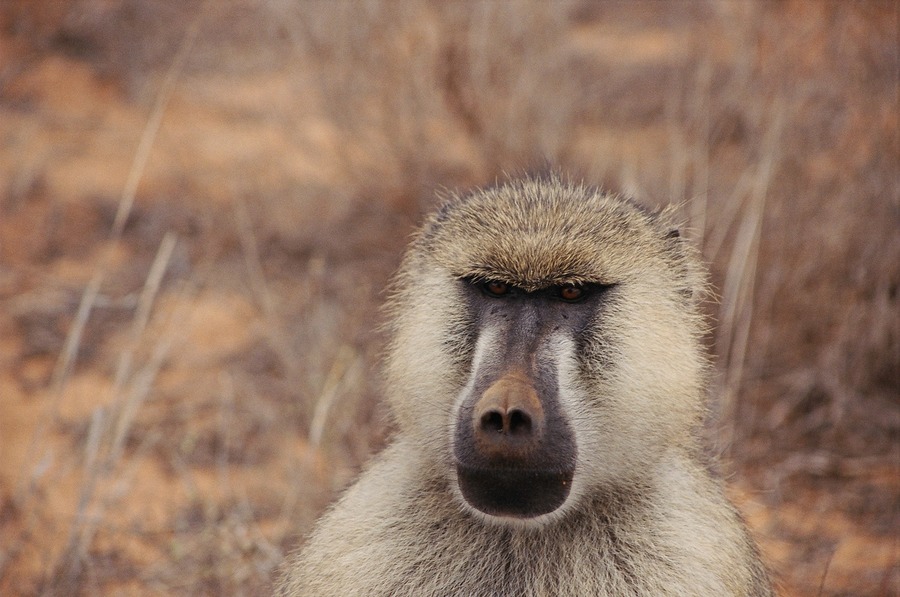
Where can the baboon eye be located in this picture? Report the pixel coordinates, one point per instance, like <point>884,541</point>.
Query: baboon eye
<point>496,287</point>
<point>570,292</point>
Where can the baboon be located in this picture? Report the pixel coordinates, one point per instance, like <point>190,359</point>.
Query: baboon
<point>546,377</point>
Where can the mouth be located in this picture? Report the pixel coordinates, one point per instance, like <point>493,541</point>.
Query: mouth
<point>514,493</point>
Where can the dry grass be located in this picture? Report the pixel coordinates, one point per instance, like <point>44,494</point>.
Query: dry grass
<point>201,203</point>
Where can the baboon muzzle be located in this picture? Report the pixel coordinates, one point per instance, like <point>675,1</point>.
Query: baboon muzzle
<point>514,453</point>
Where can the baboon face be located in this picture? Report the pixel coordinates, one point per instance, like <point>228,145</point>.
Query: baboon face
<point>544,345</point>
<point>513,443</point>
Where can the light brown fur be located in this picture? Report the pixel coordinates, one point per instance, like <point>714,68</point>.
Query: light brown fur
<point>644,517</point>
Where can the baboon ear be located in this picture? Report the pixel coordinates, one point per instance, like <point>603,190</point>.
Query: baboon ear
<point>669,221</point>
<point>681,252</point>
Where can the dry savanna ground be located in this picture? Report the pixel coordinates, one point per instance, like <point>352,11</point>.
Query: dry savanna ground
<point>200,203</point>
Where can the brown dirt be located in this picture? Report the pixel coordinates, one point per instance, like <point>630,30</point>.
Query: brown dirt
<point>182,433</point>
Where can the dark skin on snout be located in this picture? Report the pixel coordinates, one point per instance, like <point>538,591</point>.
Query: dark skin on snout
<point>515,453</point>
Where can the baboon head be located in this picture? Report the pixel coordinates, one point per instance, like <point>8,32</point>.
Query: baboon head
<point>545,346</point>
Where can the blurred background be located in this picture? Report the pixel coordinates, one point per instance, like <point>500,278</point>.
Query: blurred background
<point>201,203</point>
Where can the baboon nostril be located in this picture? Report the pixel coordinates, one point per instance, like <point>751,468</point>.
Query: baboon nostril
<point>492,420</point>
<point>519,422</point>
<point>514,422</point>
